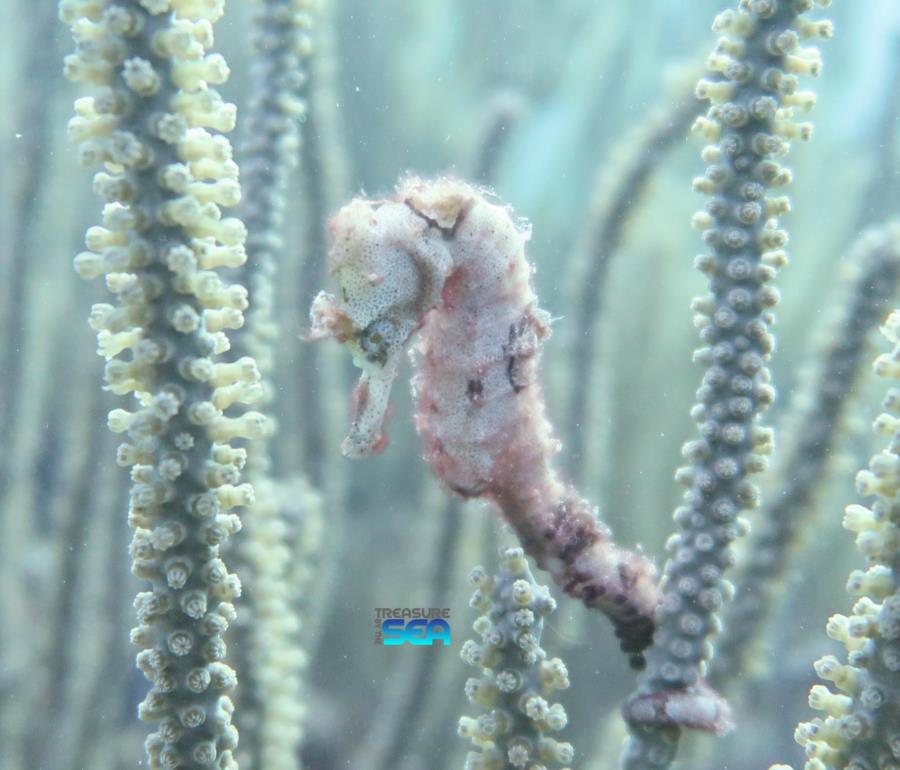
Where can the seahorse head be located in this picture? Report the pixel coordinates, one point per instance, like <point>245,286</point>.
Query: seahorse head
<point>389,263</point>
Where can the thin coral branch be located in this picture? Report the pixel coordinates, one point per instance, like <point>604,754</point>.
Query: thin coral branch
<point>312,272</point>
<point>324,182</point>
<point>616,196</point>
<point>60,696</point>
<point>269,150</point>
<point>504,110</point>
<point>861,720</point>
<point>24,177</point>
<point>101,722</point>
<point>879,196</point>
<point>516,676</point>
<point>272,692</point>
<point>164,178</point>
<point>28,175</point>
<point>753,92</point>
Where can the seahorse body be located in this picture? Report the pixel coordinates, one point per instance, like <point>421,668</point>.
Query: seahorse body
<point>442,260</point>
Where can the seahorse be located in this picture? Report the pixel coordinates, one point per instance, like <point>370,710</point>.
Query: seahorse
<point>440,268</point>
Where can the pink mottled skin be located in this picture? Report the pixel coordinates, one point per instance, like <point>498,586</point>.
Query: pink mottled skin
<point>442,260</point>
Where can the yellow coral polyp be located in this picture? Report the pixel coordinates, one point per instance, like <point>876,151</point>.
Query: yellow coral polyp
<point>110,345</point>
<point>99,238</point>
<point>242,370</point>
<point>208,288</point>
<point>184,39</point>
<point>120,420</point>
<point>737,23</point>
<point>226,318</point>
<point>90,265</point>
<point>877,545</point>
<point>808,62</point>
<point>225,192</point>
<point>211,168</point>
<point>877,581</point>
<point>887,365</point>
<point>81,129</point>
<point>229,231</point>
<point>71,11</point>
<point>252,425</point>
<point>717,92</point>
<point>858,518</point>
<point>230,496</point>
<point>196,10</point>
<point>211,256</point>
<point>821,751</point>
<point>205,109</point>
<point>711,130</point>
<point>122,378</point>
<point>239,393</point>
<point>86,30</point>
<point>198,145</point>
<point>790,129</point>
<point>822,699</point>
<point>192,75</point>
<point>802,100</point>
<point>229,455</point>
<point>845,677</point>
<point>95,71</point>
<point>704,185</point>
<point>821,29</point>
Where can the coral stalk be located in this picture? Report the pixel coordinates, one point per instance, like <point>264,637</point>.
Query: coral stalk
<point>269,150</point>
<point>324,181</point>
<point>753,93</point>
<point>165,176</point>
<point>440,259</point>
<point>617,194</point>
<point>861,723</point>
<point>516,678</point>
<point>503,112</point>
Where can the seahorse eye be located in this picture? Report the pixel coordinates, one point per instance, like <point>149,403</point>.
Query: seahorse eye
<point>376,338</point>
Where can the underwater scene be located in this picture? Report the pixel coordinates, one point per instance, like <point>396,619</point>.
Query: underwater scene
<point>426,385</point>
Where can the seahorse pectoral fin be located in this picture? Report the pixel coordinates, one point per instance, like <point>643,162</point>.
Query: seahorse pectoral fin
<point>370,406</point>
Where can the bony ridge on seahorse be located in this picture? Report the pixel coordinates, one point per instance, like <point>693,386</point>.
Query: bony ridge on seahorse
<point>441,262</point>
